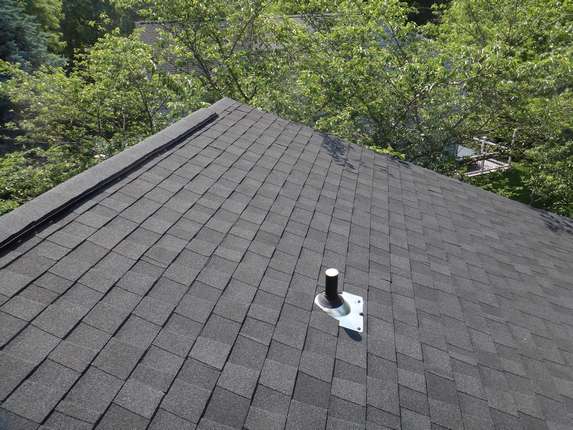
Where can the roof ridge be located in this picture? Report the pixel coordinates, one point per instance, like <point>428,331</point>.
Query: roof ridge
<point>37,211</point>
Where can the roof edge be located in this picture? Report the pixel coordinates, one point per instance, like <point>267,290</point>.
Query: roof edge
<point>37,211</point>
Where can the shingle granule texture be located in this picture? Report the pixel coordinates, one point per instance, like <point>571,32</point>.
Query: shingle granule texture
<point>181,295</point>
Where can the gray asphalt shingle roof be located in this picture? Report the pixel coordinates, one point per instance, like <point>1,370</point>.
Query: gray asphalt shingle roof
<point>180,296</point>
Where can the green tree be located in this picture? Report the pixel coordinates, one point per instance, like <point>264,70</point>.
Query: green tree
<point>85,21</point>
<point>48,14</point>
<point>26,174</point>
<point>344,66</point>
<point>424,12</point>
<point>233,47</point>
<point>522,84</point>
<point>521,58</point>
<point>117,96</point>
<point>361,70</point>
<point>367,73</point>
<point>551,177</point>
<point>22,39</point>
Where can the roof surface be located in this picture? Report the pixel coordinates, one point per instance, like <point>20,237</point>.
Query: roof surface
<point>181,295</point>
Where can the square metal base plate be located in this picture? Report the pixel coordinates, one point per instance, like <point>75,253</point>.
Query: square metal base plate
<point>353,320</point>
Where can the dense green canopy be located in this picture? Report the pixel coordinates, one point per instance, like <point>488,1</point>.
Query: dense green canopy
<point>366,71</point>
<point>23,39</point>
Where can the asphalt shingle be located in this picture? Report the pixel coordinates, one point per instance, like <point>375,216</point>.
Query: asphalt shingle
<point>139,398</point>
<point>32,345</point>
<point>186,400</point>
<point>178,335</point>
<point>227,408</point>
<point>164,420</point>
<point>37,396</point>
<point>118,417</point>
<point>181,295</point>
<point>90,396</point>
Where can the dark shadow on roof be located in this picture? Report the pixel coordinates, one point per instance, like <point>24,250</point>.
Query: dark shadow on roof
<point>337,150</point>
<point>396,160</point>
<point>354,335</point>
<point>557,223</point>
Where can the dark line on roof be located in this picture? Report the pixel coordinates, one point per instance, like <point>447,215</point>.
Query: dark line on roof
<point>41,209</point>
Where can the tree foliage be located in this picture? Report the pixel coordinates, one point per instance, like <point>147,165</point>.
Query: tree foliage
<point>117,95</point>
<point>523,56</point>
<point>551,178</point>
<point>362,70</point>
<point>22,39</point>
<point>48,14</point>
<point>370,76</point>
<point>85,21</point>
<point>26,174</point>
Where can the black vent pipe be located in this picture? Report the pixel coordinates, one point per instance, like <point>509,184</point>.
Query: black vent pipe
<point>331,298</point>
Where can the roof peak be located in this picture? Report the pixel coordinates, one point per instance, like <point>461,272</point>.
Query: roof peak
<point>42,208</point>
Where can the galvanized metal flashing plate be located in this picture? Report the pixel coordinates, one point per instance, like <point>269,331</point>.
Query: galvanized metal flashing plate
<point>350,315</point>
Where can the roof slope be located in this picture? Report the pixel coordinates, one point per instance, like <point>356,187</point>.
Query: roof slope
<point>181,295</point>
